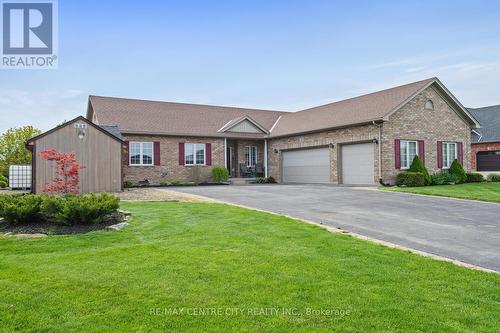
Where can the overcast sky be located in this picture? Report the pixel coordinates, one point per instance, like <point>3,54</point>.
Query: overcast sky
<point>284,55</point>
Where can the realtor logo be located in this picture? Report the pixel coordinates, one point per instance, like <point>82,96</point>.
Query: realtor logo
<point>29,34</point>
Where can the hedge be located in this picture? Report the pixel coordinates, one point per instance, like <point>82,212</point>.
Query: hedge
<point>493,177</point>
<point>66,210</point>
<point>410,179</point>
<point>474,177</point>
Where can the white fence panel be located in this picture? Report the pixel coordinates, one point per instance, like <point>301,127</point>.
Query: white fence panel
<point>20,176</point>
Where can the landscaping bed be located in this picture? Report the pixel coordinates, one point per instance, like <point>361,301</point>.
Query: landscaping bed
<point>472,191</point>
<point>48,228</point>
<point>453,182</point>
<point>63,214</point>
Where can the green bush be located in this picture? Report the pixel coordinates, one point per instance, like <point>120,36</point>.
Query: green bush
<point>410,179</point>
<point>444,178</point>
<point>458,171</point>
<point>67,210</point>
<point>474,177</point>
<point>418,166</point>
<point>85,209</point>
<point>4,182</point>
<point>18,209</point>
<point>493,177</point>
<point>261,180</point>
<point>220,174</point>
<point>128,184</point>
<point>176,183</point>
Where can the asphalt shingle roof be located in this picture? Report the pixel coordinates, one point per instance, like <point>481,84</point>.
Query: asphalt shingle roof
<point>113,130</point>
<point>153,117</point>
<point>489,119</point>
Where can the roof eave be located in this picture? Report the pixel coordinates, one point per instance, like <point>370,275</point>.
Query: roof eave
<point>194,135</point>
<point>82,118</point>
<point>365,122</point>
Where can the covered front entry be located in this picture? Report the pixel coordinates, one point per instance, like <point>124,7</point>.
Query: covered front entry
<point>358,163</point>
<point>307,165</point>
<point>245,158</point>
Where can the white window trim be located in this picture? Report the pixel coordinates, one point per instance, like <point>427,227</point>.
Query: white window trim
<point>407,153</point>
<point>448,161</point>
<point>141,153</point>
<point>194,154</point>
<point>250,157</point>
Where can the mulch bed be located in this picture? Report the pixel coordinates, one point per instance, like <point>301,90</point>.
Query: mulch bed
<point>44,227</point>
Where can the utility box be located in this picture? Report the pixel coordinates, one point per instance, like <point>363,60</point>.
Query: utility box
<point>20,177</point>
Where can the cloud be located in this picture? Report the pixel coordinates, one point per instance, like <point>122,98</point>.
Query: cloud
<point>40,109</point>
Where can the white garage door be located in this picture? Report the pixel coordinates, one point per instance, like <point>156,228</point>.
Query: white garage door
<point>306,166</point>
<point>358,163</point>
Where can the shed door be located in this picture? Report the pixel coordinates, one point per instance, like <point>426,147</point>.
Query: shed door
<point>488,160</point>
<point>358,163</point>
<point>306,166</point>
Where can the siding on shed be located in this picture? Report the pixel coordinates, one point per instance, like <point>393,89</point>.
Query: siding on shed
<point>99,153</point>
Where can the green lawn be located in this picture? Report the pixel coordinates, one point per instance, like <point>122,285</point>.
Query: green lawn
<point>474,191</point>
<point>234,261</point>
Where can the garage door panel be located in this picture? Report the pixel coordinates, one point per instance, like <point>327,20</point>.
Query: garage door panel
<point>306,166</point>
<point>488,161</point>
<point>358,163</point>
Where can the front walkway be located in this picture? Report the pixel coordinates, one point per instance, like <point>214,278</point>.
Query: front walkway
<point>468,231</point>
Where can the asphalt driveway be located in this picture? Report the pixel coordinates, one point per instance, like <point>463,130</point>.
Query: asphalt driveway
<point>468,231</point>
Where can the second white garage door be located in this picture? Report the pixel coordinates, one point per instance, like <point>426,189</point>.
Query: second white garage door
<point>358,163</point>
<point>306,166</point>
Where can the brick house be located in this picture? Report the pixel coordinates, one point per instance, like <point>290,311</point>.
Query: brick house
<point>485,149</point>
<point>362,140</point>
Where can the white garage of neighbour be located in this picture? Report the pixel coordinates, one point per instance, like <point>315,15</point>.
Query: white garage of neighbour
<point>358,163</point>
<point>307,165</point>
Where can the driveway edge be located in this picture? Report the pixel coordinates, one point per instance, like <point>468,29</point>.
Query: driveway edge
<point>358,236</point>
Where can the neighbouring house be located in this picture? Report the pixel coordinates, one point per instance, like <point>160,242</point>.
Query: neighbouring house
<point>97,148</point>
<point>362,140</point>
<point>485,151</point>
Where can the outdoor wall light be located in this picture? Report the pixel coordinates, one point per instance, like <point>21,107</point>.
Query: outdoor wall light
<point>375,141</point>
<point>81,134</point>
<point>331,145</point>
<point>275,150</point>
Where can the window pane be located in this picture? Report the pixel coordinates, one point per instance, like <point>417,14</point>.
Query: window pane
<point>254,155</point>
<point>247,156</point>
<point>412,151</point>
<point>403,154</point>
<point>200,154</point>
<point>135,153</point>
<point>445,155</point>
<point>147,153</point>
<point>452,152</point>
<point>189,153</point>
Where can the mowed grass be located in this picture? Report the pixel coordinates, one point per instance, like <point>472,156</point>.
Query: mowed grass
<point>473,191</point>
<point>237,262</point>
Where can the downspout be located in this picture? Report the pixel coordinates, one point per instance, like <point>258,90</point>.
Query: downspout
<point>379,153</point>
<point>32,150</point>
<point>225,153</point>
<point>265,159</point>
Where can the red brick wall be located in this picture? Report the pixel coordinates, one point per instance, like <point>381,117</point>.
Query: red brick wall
<point>169,168</point>
<point>477,147</point>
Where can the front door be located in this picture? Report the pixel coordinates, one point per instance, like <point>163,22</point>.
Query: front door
<point>230,161</point>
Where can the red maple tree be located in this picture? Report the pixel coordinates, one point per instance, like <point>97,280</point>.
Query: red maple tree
<point>67,175</point>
